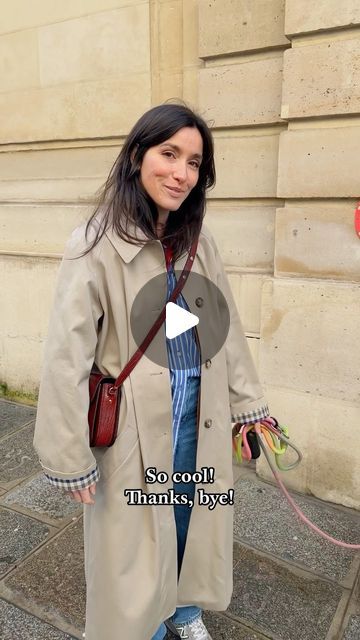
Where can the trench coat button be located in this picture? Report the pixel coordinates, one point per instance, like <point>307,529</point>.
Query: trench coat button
<point>199,302</point>
<point>208,364</point>
<point>208,424</point>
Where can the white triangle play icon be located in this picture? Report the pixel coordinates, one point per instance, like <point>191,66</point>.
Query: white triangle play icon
<point>178,320</point>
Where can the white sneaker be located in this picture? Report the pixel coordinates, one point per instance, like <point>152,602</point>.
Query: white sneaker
<point>195,630</point>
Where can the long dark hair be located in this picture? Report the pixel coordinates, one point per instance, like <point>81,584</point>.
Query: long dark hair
<point>123,200</point>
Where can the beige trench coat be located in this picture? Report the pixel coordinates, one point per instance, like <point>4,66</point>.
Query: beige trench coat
<point>130,551</point>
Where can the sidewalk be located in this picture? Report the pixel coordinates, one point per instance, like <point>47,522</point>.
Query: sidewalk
<point>289,584</point>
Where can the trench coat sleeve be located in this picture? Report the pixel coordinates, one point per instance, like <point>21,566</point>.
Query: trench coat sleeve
<point>247,402</point>
<point>61,437</point>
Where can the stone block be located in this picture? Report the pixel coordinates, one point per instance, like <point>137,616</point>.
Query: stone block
<point>80,162</point>
<point>17,624</point>
<point>190,86</point>
<point>190,35</point>
<point>13,416</point>
<point>89,109</point>
<point>310,337</point>
<point>244,235</point>
<point>317,242</point>
<point>242,94</point>
<point>305,16</point>
<point>27,280</point>
<point>352,631</point>
<point>322,79</point>
<point>246,166</point>
<point>224,628</point>
<point>246,289</point>
<point>18,457</point>
<point>64,175</point>
<point>20,15</point>
<point>351,623</point>
<point>263,587</point>
<point>289,538</point>
<point>97,46</point>
<point>166,84</point>
<point>52,581</point>
<point>169,35</point>
<point>19,64</point>
<point>229,26</point>
<point>38,496</point>
<point>334,465</point>
<point>39,228</point>
<point>19,536</point>
<point>63,190</point>
<point>319,163</point>
<point>27,296</point>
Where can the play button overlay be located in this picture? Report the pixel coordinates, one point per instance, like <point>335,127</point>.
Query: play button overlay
<point>205,316</point>
<point>178,320</point>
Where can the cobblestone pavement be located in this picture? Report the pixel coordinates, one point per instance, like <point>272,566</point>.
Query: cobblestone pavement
<point>289,584</point>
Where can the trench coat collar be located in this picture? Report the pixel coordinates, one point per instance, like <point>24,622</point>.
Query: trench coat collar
<point>126,250</point>
<point>129,251</point>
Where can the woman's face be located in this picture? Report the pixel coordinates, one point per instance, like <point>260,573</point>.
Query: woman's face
<point>171,169</point>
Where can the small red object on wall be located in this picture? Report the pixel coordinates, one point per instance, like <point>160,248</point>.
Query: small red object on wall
<point>357,219</point>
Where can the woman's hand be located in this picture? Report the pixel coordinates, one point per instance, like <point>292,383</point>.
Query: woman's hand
<point>83,495</point>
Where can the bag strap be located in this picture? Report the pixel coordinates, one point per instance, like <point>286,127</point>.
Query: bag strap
<point>159,321</point>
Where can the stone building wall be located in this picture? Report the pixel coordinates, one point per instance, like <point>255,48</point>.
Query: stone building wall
<point>280,82</point>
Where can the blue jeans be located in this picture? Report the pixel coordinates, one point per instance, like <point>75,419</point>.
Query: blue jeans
<point>184,460</point>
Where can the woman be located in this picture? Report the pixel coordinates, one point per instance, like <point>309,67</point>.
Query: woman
<point>139,572</point>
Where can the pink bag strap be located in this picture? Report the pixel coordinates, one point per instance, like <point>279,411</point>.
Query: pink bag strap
<point>159,321</point>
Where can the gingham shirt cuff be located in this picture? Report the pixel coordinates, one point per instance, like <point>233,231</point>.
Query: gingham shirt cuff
<point>75,483</point>
<point>249,417</point>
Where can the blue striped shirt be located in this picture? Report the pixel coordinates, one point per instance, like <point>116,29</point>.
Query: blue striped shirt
<point>183,355</point>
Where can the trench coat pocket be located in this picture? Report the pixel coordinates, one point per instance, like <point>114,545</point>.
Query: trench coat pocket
<point>111,459</point>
